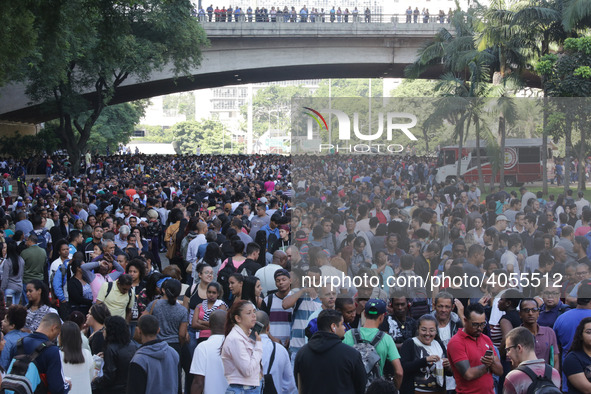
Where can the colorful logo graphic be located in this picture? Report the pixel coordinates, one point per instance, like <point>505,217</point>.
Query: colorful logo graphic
<point>316,117</point>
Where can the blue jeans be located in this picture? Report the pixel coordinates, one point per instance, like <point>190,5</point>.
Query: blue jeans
<point>16,295</point>
<point>238,389</point>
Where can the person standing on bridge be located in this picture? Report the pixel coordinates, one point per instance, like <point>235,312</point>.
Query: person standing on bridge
<point>209,12</point>
<point>367,15</point>
<point>415,15</point>
<point>409,14</point>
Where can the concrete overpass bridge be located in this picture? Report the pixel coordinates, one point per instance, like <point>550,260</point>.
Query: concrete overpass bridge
<point>243,52</point>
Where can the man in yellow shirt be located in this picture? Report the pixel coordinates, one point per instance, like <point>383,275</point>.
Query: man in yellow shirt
<point>118,296</point>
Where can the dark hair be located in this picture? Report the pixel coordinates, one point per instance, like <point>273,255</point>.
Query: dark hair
<point>125,279</point>
<point>172,289</point>
<point>252,247</point>
<point>151,289</point>
<point>239,277</point>
<point>71,343</point>
<point>476,308</point>
<point>340,302</point>
<point>328,317</point>
<point>527,299</point>
<point>117,331</point>
<point>213,254</point>
<point>381,386</point>
<point>577,344</point>
<point>139,265</point>
<point>234,311</point>
<point>148,325</point>
<point>218,288</point>
<point>38,285</point>
<point>406,262</point>
<point>100,313</point>
<point>17,315</point>
<point>248,289</point>
<point>514,296</point>
<point>12,254</point>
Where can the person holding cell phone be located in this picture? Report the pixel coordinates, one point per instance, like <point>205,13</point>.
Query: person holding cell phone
<point>471,354</point>
<point>242,350</point>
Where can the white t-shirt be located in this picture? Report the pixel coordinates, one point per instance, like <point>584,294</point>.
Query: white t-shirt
<point>80,374</point>
<point>445,336</point>
<point>207,362</point>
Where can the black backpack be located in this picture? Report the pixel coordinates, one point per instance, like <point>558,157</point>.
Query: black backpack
<point>268,384</point>
<point>224,276</point>
<point>540,384</point>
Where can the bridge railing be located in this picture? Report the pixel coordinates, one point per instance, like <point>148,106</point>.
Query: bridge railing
<point>324,17</point>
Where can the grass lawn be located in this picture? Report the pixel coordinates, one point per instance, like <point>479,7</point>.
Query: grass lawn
<point>553,189</point>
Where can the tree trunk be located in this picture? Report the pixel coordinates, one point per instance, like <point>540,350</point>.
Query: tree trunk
<point>545,147</point>
<point>583,124</point>
<point>479,160</point>
<point>502,125</point>
<point>460,150</point>
<point>426,141</point>
<point>568,150</point>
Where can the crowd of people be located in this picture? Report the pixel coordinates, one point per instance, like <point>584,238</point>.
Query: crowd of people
<point>216,274</point>
<point>291,14</point>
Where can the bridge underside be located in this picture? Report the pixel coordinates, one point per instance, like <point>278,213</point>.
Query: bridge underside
<point>241,60</point>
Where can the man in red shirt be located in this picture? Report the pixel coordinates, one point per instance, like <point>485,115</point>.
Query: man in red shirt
<point>471,366</point>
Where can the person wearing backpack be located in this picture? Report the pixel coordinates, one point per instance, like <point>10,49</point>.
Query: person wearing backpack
<point>325,364</point>
<point>531,375</point>
<point>44,358</point>
<point>277,370</point>
<point>383,345</point>
<point>118,296</point>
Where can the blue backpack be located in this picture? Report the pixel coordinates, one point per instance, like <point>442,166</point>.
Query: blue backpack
<point>23,377</point>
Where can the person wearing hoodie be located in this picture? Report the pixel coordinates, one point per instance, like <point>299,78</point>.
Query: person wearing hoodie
<point>154,362</point>
<point>325,355</point>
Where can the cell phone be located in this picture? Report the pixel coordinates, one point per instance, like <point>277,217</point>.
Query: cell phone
<point>488,353</point>
<point>258,327</point>
<point>9,299</point>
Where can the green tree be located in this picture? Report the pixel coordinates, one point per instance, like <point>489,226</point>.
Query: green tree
<point>210,136</point>
<point>465,79</point>
<point>181,103</point>
<point>87,49</point>
<point>115,125</point>
<point>19,145</point>
<point>570,76</point>
<point>17,29</point>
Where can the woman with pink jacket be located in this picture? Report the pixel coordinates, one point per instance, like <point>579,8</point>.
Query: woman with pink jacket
<point>241,354</point>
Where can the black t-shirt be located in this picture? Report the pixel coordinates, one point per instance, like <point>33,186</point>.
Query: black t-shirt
<point>574,363</point>
<point>194,298</point>
<point>513,317</point>
<point>250,266</point>
<point>97,342</point>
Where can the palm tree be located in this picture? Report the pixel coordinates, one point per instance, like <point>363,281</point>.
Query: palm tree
<point>576,14</point>
<point>464,81</point>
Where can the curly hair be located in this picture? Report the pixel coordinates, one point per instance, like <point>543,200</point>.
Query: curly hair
<point>117,331</point>
<point>578,338</point>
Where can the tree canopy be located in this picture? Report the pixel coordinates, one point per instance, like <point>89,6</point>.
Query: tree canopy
<point>85,50</point>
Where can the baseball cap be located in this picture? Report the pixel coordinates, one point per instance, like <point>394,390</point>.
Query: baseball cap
<point>281,272</point>
<point>375,307</point>
<point>301,236</point>
<point>263,200</point>
<point>501,217</point>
